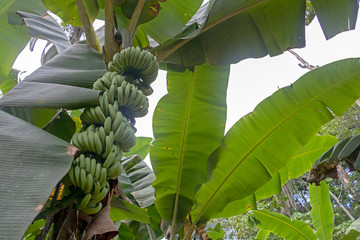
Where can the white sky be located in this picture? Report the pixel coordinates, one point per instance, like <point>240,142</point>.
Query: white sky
<point>251,80</point>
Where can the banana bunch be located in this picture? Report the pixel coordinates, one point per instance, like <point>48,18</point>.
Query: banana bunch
<point>141,65</point>
<point>91,178</point>
<point>108,129</point>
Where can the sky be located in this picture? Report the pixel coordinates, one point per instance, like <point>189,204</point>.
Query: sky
<point>251,80</point>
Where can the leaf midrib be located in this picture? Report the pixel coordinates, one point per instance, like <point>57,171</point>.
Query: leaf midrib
<point>321,213</point>
<point>6,7</point>
<point>256,145</point>
<point>182,148</point>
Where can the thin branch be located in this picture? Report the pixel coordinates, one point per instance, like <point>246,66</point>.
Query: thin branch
<point>303,64</point>
<point>342,206</point>
<point>135,17</point>
<point>151,234</point>
<point>91,38</point>
<point>168,52</point>
<point>110,47</point>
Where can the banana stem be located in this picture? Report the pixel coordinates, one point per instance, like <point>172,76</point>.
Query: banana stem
<point>91,38</point>
<point>110,47</point>
<point>135,17</point>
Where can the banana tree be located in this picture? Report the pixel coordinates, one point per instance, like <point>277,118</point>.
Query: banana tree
<point>198,170</point>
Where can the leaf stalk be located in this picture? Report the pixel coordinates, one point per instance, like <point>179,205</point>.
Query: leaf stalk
<point>91,38</point>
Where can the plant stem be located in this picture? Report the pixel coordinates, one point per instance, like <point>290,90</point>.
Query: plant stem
<point>91,38</point>
<point>110,47</point>
<point>135,17</point>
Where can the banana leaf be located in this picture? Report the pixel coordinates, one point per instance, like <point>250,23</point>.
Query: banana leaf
<point>262,142</point>
<point>322,213</point>
<point>283,226</point>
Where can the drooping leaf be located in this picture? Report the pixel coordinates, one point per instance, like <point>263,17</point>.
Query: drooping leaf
<point>141,148</point>
<point>250,153</point>
<point>347,150</point>
<point>336,17</point>
<point>283,226</point>
<point>13,36</point>
<point>48,54</point>
<point>62,126</point>
<point>352,232</point>
<point>78,65</point>
<point>67,10</point>
<point>322,213</point>
<point>48,95</point>
<point>46,27</point>
<point>32,163</point>
<point>137,181</point>
<point>236,30</point>
<point>188,124</point>
<point>121,210</point>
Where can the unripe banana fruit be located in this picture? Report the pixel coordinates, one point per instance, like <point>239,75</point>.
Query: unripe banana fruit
<point>108,129</point>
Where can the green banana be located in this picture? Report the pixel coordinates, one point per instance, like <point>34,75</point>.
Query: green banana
<point>114,171</point>
<point>89,183</point>
<point>92,209</point>
<point>84,202</point>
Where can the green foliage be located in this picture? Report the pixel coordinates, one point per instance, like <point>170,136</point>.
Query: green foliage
<point>345,125</point>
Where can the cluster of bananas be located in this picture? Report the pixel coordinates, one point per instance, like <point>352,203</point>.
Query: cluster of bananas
<point>141,65</point>
<point>108,129</point>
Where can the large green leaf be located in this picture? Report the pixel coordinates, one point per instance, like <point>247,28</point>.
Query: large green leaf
<point>188,124</point>
<point>301,162</point>
<point>78,65</point>
<point>67,10</point>
<point>172,18</point>
<point>336,16</point>
<point>322,213</point>
<point>46,27</point>
<point>33,162</point>
<point>236,30</point>
<point>14,37</point>
<point>283,226</point>
<point>48,95</point>
<point>262,142</point>
<point>121,210</point>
